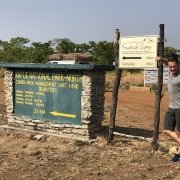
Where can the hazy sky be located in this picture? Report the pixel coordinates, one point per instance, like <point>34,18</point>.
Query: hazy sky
<point>88,20</point>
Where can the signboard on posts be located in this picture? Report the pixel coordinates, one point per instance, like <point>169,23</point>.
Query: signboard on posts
<point>151,75</point>
<point>138,52</point>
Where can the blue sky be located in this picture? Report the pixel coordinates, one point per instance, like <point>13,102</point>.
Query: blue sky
<point>88,20</point>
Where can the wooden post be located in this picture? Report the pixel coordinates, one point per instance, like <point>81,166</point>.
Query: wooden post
<point>158,91</point>
<point>115,87</point>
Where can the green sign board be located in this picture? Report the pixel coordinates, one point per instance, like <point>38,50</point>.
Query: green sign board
<point>51,96</point>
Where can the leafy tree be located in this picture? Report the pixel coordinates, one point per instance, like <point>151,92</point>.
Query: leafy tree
<point>4,48</point>
<point>17,50</point>
<point>65,46</point>
<point>14,50</point>
<point>171,52</point>
<point>102,52</point>
<point>41,52</point>
<point>19,41</point>
<point>82,48</point>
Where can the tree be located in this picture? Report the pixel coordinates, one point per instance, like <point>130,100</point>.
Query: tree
<point>102,52</point>
<point>82,48</point>
<point>14,50</point>
<point>65,46</point>
<point>17,50</point>
<point>41,52</point>
<point>19,41</point>
<point>170,52</point>
<point>4,49</point>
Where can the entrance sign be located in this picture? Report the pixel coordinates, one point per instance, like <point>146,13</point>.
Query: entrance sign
<point>52,96</point>
<point>138,52</point>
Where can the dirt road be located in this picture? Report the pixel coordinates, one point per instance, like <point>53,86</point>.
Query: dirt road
<point>24,157</point>
<point>135,112</point>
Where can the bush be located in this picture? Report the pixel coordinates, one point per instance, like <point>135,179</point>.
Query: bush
<point>1,73</point>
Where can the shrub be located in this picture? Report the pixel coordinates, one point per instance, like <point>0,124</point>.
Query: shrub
<point>1,73</point>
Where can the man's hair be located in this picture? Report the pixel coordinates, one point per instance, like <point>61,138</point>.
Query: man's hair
<point>173,58</point>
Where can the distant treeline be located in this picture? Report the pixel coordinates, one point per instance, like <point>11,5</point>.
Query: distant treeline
<point>19,49</point>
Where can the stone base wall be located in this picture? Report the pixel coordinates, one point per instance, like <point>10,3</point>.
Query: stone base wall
<point>92,110</point>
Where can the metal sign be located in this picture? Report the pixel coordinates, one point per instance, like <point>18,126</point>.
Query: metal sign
<point>138,52</point>
<point>151,75</point>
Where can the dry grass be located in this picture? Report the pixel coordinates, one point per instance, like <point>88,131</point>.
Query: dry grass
<point>100,141</point>
<point>1,73</point>
<point>133,78</point>
<point>128,78</point>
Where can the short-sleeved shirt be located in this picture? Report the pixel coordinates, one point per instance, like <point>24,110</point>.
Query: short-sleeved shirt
<point>174,91</point>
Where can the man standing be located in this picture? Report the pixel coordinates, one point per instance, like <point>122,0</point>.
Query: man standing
<point>172,116</point>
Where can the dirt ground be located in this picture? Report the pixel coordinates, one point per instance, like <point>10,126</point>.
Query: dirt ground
<point>24,157</point>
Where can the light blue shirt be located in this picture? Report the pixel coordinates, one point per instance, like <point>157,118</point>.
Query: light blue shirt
<point>174,91</point>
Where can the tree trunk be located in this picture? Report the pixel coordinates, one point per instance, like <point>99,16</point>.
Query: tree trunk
<point>115,87</point>
<point>158,91</point>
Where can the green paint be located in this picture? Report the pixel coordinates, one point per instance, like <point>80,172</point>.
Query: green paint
<point>48,95</point>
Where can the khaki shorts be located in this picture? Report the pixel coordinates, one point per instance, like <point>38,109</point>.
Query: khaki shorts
<point>172,119</point>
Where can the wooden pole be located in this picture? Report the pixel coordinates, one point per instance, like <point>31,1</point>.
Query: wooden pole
<point>115,87</point>
<point>158,91</point>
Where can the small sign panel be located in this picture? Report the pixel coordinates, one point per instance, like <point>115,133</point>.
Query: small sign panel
<point>151,75</point>
<point>138,52</point>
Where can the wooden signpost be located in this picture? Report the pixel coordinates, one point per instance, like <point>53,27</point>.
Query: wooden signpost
<point>138,52</point>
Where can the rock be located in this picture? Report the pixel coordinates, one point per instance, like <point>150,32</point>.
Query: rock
<point>38,137</point>
<point>173,150</point>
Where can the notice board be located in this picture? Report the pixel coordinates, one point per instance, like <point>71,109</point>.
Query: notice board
<point>138,52</point>
<point>151,75</point>
<point>52,96</point>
